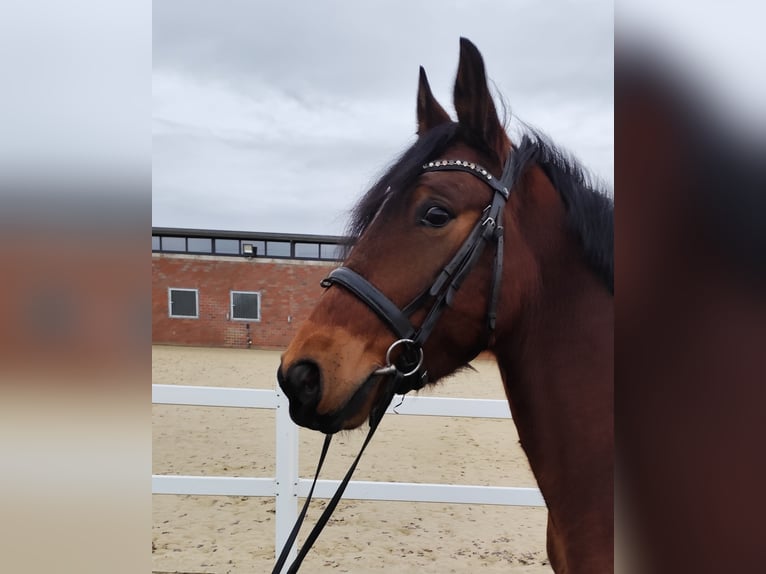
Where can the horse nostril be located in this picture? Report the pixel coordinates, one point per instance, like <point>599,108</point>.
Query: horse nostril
<point>302,381</point>
<point>306,375</point>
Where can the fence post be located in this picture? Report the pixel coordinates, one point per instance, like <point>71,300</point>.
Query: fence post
<point>286,495</point>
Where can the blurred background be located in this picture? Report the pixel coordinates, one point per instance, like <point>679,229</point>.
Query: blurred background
<point>75,340</point>
<point>691,264</point>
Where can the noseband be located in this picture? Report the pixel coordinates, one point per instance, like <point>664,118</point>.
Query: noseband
<point>408,365</point>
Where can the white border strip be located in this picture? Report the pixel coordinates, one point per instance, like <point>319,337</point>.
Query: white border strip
<point>356,490</point>
<point>213,396</point>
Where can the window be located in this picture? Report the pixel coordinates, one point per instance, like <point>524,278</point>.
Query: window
<point>182,303</point>
<point>330,251</point>
<point>245,306</point>
<point>227,246</point>
<point>307,250</point>
<point>278,249</point>
<point>200,244</point>
<point>174,243</point>
<point>282,247</point>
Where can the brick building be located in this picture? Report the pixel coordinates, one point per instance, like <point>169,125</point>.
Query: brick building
<point>235,289</point>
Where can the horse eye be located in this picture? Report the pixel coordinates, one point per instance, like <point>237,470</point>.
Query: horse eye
<point>436,217</point>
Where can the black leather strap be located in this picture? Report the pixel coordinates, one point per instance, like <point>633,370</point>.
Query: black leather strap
<point>460,259</point>
<point>452,277</point>
<point>374,298</point>
<point>299,522</point>
<point>497,274</point>
<point>375,417</point>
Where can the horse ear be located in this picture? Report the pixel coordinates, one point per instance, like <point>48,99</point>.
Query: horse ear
<point>430,112</point>
<point>473,102</point>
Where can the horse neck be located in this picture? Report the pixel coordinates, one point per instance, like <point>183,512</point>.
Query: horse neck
<point>557,367</point>
<point>558,375</point>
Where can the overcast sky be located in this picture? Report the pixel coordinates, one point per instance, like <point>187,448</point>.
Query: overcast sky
<point>276,116</point>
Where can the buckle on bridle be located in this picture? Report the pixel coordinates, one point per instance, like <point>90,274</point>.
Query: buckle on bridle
<point>391,367</point>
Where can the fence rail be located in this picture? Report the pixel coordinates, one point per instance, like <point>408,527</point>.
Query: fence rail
<point>287,486</point>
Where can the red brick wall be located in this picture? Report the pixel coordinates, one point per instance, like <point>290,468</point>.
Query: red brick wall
<point>289,289</point>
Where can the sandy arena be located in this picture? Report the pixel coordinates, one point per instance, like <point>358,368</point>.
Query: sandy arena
<point>221,535</point>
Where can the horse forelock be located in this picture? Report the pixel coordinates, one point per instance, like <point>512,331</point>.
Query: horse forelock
<point>399,177</point>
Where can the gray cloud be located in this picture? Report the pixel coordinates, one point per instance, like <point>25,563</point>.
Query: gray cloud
<point>276,116</point>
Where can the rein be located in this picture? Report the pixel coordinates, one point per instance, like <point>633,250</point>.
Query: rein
<point>407,370</point>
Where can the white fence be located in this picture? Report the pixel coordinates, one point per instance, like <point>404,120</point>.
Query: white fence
<point>287,486</point>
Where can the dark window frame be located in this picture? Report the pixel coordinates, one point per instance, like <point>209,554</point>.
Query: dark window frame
<point>207,251</point>
<point>279,243</point>
<point>170,303</point>
<point>231,305</point>
<point>298,245</point>
<point>291,247</point>
<point>235,251</point>
<point>178,238</point>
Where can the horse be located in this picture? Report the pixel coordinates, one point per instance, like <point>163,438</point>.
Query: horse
<point>472,243</point>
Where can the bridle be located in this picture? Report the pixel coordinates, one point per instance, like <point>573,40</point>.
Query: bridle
<point>408,363</point>
<point>405,371</point>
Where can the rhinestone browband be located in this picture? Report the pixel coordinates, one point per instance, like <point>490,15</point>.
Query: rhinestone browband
<point>470,165</point>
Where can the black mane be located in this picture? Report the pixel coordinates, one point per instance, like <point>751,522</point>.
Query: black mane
<point>590,211</point>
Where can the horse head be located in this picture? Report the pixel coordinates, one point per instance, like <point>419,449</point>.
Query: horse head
<point>407,229</point>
